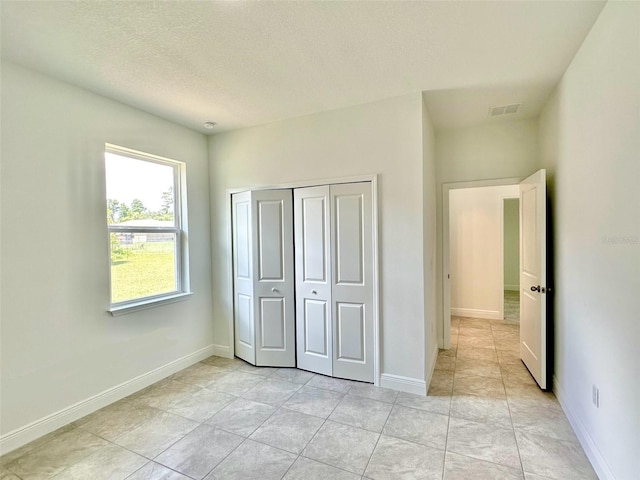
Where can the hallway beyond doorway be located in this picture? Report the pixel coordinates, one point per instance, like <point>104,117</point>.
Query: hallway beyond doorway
<point>512,305</point>
<point>498,415</point>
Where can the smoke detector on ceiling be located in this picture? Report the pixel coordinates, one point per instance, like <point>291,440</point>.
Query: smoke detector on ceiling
<point>504,110</point>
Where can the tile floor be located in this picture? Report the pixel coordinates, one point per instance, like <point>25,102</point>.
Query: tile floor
<point>512,305</point>
<point>484,418</point>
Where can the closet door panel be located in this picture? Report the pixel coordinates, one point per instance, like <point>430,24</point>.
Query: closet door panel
<point>352,271</point>
<point>350,332</point>
<point>244,322</point>
<point>274,327</point>
<point>243,277</point>
<point>274,280</point>
<point>271,247</point>
<point>349,252</point>
<point>314,336</point>
<point>316,328</point>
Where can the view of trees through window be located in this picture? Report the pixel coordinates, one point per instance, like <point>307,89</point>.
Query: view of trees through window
<point>118,212</point>
<point>143,227</point>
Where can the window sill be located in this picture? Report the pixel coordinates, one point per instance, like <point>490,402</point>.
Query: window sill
<point>148,303</point>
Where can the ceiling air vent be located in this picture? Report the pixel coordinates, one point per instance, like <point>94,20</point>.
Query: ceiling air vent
<point>504,110</point>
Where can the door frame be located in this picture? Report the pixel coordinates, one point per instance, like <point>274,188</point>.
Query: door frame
<point>373,179</point>
<point>445,341</point>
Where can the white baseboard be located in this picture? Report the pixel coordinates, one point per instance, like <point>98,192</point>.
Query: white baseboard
<point>474,313</point>
<point>598,462</point>
<point>403,384</point>
<point>222,351</point>
<point>512,288</point>
<point>23,435</point>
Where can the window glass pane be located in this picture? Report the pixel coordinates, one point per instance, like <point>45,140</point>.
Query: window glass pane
<point>142,265</point>
<point>139,193</point>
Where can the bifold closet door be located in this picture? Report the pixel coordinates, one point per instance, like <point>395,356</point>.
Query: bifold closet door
<point>244,324</point>
<point>313,279</point>
<point>264,313</point>
<point>352,289</point>
<point>334,280</point>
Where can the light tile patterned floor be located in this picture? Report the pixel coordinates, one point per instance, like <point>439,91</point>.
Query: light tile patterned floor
<point>512,305</point>
<point>484,418</point>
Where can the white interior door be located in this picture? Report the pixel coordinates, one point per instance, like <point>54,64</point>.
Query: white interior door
<point>352,274</point>
<point>243,277</point>
<point>273,279</point>
<point>313,279</point>
<point>533,288</point>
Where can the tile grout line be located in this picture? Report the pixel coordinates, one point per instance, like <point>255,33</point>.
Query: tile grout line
<point>379,437</point>
<point>255,429</point>
<point>446,441</point>
<point>319,428</point>
<point>513,429</point>
<point>200,423</point>
<point>252,432</point>
<point>203,423</point>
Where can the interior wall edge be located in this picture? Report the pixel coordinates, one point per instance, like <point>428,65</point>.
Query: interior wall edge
<point>432,369</point>
<point>222,351</point>
<point>416,386</point>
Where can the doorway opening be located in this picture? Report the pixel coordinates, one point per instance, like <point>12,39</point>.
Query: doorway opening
<point>483,249</point>
<point>511,258</point>
<point>474,297</point>
<point>473,261</point>
<point>483,280</point>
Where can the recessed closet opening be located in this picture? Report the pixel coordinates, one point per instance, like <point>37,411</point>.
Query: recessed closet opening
<point>305,277</point>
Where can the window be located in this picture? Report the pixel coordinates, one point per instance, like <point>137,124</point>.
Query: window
<point>144,219</point>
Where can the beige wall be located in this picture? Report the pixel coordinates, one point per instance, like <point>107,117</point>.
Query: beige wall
<point>590,144</point>
<point>59,346</point>
<point>384,138</point>
<point>475,247</point>
<point>511,244</point>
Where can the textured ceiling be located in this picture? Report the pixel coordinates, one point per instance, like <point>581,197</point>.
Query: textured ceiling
<point>248,63</point>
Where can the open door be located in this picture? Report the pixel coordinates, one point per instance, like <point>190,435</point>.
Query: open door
<point>533,276</point>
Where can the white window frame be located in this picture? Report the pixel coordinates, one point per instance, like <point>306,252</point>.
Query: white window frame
<point>178,229</point>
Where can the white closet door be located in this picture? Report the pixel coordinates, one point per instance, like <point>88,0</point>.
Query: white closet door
<point>243,277</point>
<point>352,272</point>
<point>313,280</point>
<point>273,279</point>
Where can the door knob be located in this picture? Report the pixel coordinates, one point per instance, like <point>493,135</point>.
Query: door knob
<point>274,289</point>
<point>535,288</point>
<point>314,292</point>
